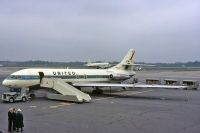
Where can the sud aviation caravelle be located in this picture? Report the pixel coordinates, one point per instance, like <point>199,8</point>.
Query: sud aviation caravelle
<point>110,77</point>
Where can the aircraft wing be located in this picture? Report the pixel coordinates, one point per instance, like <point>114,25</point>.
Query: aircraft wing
<point>160,86</point>
<point>127,85</point>
<point>101,85</point>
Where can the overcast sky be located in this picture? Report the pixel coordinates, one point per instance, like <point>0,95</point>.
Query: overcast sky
<point>75,30</point>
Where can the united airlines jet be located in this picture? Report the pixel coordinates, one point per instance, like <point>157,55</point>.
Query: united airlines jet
<point>110,77</point>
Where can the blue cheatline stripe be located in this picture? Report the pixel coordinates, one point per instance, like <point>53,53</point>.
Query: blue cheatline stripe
<point>31,77</point>
<point>22,77</point>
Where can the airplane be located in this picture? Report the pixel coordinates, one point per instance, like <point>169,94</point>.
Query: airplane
<point>95,78</point>
<point>98,65</point>
<point>104,65</point>
<point>138,67</point>
<point>27,78</point>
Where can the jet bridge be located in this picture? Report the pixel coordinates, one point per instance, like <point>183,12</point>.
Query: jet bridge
<point>65,91</point>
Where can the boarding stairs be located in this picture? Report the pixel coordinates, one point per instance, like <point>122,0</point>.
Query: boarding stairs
<point>66,91</point>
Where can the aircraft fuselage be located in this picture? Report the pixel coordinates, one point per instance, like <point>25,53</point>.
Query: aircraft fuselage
<point>30,77</point>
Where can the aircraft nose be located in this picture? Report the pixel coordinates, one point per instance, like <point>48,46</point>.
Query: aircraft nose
<point>5,82</point>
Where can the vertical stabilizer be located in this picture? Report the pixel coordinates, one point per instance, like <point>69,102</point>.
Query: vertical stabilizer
<point>128,61</point>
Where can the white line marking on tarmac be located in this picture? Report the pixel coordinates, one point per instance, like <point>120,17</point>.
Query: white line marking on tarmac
<point>102,98</point>
<point>126,94</point>
<point>139,92</point>
<point>62,104</point>
<point>33,106</point>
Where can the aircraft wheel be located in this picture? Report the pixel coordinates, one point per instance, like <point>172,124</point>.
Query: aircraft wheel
<point>24,99</point>
<point>94,92</point>
<point>100,91</point>
<point>11,100</point>
<point>124,88</point>
<point>97,91</point>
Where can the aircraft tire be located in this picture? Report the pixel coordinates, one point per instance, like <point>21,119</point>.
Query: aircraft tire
<point>97,91</point>
<point>124,88</point>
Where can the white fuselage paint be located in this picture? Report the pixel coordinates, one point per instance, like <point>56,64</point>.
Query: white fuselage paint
<point>29,77</point>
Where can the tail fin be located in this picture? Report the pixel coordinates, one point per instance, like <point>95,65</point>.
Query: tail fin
<point>89,61</point>
<point>127,63</point>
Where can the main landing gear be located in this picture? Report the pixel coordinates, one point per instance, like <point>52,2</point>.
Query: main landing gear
<point>97,91</point>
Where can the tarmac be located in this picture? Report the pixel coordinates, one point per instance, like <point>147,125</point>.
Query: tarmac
<point>115,111</point>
